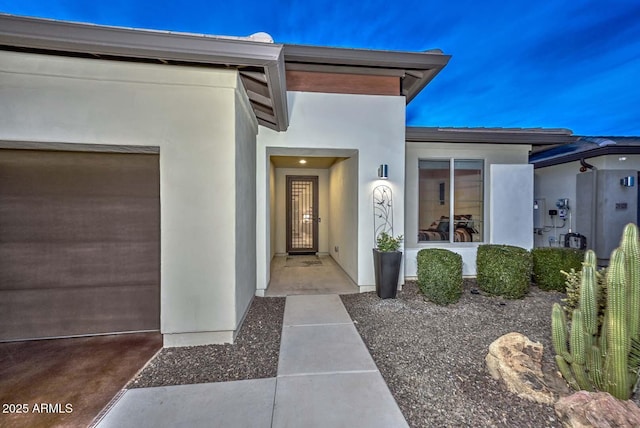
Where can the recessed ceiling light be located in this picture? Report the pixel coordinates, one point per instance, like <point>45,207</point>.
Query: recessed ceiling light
<point>302,161</point>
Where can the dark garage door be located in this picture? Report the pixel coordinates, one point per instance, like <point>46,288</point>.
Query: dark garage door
<point>79,243</point>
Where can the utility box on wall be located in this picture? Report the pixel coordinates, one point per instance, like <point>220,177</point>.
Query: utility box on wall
<point>605,203</point>
<point>539,211</point>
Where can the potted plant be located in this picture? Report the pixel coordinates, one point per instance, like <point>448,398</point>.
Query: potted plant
<point>386,261</point>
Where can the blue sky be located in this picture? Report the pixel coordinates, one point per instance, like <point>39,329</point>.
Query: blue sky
<point>556,64</point>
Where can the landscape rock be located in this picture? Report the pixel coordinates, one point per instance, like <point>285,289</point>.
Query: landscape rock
<point>517,361</point>
<point>597,409</point>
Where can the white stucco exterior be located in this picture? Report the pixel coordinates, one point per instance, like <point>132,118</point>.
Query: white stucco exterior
<point>494,193</point>
<point>205,131</point>
<point>369,130</point>
<point>222,200</point>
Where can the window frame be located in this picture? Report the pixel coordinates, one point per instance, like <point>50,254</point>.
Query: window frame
<point>452,187</point>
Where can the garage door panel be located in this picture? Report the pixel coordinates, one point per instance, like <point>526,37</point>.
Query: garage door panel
<point>79,243</point>
<point>76,264</point>
<point>60,174</point>
<point>92,218</point>
<point>76,311</point>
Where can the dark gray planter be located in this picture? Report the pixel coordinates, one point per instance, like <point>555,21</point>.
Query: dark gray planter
<point>387,269</point>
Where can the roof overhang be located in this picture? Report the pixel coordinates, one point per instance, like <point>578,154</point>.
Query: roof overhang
<point>414,69</point>
<point>537,137</point>
<point>260,65</point>
<point>586,148</point>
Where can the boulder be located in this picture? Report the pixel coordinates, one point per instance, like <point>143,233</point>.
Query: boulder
<point>517,361</point>
<point>597,409</point>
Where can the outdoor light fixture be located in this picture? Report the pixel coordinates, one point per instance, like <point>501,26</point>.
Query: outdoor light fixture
<point>302,161</point>
<point>383,171</point>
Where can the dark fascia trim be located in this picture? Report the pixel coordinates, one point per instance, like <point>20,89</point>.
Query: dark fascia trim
<point>426,64</point>
<point>276,76</point>
<point>72,37</point>
<point>600,151</point>
<point>529,136</point>
<point>77,147</point>
<point>364,57</point>
<point>96,39</point>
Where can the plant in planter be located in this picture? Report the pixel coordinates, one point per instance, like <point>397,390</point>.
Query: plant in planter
<point>386,261</point>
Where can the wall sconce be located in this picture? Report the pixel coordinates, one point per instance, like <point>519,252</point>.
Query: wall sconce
<point>383,171</point>
<point>627,181</point>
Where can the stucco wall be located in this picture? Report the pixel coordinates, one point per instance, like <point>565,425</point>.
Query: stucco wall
<point>343,190</point>
<point>271,226</point>
<point>245,207</point>
<point>280,232</point>
<point>491,154</point>
<point>339,124</point>
<point>510,205</point>
<point>189,113</point>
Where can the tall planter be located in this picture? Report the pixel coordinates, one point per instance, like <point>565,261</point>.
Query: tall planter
<point>387,270</point>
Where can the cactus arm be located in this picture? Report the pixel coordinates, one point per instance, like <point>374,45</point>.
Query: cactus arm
<point>565,370</point>
<point>588,299</point>
<point>590,258</point>
<point>618,344</point>
<point>629,245</point>
<point>595,368</point>
<point>578,351</point>
<point>559,332</point>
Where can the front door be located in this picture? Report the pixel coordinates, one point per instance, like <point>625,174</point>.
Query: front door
<point>302,214</point>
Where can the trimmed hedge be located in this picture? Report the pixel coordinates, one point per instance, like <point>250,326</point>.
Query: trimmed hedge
<point>548,262</point>
<point>504,270</point>
<point>440,275</point>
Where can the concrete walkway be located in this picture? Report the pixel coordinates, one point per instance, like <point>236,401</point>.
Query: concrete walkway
<point>326,378</point>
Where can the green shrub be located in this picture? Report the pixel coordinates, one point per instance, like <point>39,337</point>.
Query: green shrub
<point>440,275</point>
<point>548,264</point>
<point>504,270</point>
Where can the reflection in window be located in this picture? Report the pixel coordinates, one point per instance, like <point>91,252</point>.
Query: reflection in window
<point>437,204</point>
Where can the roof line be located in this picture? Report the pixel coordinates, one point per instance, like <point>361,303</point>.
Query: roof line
<point>78,37</point>
<point>416,69</point>
<point>533,136</point>
<point>600,151</point>
<point>72,37</point>
<point>365,57</point>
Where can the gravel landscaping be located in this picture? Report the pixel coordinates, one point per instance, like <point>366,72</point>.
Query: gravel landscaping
<point>433,357</point>
<point>254,355</point>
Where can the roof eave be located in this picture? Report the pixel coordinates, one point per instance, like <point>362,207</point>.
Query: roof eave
<point>69,37</point>
<point>528,136</point>
<point>600,151</point>
<point>422,67</point>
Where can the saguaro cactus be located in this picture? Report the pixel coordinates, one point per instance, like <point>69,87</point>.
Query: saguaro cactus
<point>616,368</point>
<point>631,248</point>
<point>601,358</point>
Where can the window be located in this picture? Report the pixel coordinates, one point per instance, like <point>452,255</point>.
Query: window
<point>451,188</point>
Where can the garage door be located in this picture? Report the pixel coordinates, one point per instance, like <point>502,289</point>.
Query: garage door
<point>79,243</point>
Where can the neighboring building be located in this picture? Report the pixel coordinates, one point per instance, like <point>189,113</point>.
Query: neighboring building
<point>144,174</point>
<point>591,188</point>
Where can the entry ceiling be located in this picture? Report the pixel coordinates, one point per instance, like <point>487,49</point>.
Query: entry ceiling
<point>313,162</point>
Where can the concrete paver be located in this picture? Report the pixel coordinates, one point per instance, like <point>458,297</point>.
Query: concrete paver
<point>347,400</point>
<point>318,309</point>
<point>325,348</point>
<point>244,403</point>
